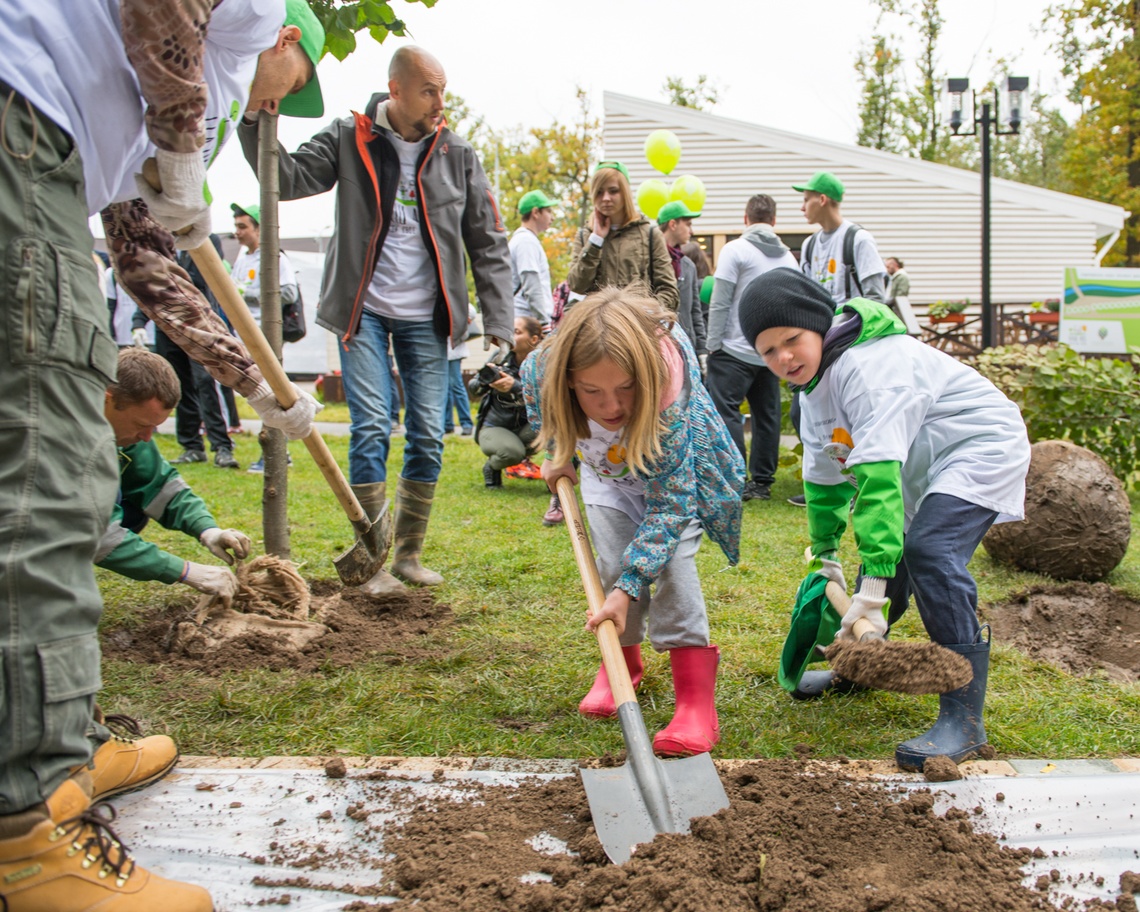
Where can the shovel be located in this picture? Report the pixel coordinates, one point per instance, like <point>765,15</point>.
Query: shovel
<point>360,562</point>
<point>632,803</point>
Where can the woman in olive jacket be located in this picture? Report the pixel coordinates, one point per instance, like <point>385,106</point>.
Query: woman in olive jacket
<point>620,245</point>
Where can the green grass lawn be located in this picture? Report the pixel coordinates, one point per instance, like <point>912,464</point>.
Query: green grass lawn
<point>507,676</point>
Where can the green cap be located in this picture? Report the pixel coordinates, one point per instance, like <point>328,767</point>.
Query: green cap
<point>615,165</point>
<point>253,211</point>
<point>536,199</point>
<point>308,102</point>
<point>706,289</point>
<point>675,210</point>
<point>826,183</point>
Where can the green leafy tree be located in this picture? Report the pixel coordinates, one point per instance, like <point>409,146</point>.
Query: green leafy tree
<point>878,64</point>
<point>1099,45</point>
<point>342,20</point>
<point>701,96</point>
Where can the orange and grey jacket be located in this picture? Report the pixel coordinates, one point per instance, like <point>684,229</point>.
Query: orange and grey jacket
<point>458,211</point>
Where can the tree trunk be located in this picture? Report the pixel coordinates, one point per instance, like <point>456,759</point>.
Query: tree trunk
<point>275,484</point>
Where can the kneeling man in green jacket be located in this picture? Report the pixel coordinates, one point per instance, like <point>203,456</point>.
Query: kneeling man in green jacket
<point>146,392</point>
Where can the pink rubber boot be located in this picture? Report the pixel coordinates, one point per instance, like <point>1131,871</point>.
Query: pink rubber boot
<point>694,729</point>
<point>599,702</point>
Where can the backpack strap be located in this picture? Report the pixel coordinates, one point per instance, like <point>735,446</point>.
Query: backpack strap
<point>805,252</point>
<point>849,260</point>
<point>651,226</point>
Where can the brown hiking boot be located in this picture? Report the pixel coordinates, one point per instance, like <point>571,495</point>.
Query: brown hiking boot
<point>124,764</point>
<point>64,856</point>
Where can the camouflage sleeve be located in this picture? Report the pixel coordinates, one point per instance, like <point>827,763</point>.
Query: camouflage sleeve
<point>165,43</point>
<point>144,259</point>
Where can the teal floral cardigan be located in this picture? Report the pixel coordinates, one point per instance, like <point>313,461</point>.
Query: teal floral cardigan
<point>700,475</point>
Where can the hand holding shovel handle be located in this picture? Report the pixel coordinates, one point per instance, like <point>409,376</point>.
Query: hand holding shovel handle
<point>862,630</point>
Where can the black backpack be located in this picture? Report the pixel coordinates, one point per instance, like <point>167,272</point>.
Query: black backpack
<point>848,258</point>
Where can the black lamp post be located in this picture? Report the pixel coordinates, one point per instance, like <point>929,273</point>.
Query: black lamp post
<point>982,123</point>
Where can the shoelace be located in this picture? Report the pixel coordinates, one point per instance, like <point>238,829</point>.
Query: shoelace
<point>125,728</point>
<point>100,843</point>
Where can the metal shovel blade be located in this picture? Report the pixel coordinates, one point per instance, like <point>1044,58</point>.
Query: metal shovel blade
<point>359,563</point>
<point>632,803</point>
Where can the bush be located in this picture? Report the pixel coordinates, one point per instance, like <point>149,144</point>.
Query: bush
<point>1093,402</point>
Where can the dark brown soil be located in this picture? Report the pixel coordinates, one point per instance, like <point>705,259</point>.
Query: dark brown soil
<point>1080,627</point>
<point>797,837</point>
<point>914,668</point>
<point>360,628</point>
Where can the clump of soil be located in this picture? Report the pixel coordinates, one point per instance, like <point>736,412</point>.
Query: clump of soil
<point>914,668</point>
<point>1077,516</point>
<point>1080,627</point>
<point>940,769</point>
<point>798,836</point>
<point>359,627</point>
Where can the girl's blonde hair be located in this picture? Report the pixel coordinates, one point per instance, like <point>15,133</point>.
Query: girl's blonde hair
<point>602,177</point>
<point>625,325</point>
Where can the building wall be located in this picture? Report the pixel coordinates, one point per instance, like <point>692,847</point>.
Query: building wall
<point>935,230</point>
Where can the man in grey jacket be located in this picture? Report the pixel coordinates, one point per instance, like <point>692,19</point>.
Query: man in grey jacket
<point>411,198</point>
<point>735,371</point>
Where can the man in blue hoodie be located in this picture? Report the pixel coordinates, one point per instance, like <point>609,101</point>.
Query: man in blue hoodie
<point>735,371</point>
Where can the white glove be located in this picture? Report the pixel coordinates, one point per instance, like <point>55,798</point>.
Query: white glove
<point>221,542</point>
<point>138,337</point>
<point>868,603</point>
<point>501,355</point>
<point>829,568</point>
<point>181,203</point>
<point>296,421</point>
<point>212,580</point>
<point>703,360</point>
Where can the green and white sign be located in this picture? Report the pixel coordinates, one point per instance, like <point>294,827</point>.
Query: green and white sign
<point>1100,309</point>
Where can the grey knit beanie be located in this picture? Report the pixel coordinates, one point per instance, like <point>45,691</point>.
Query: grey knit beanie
<point>784,297</point>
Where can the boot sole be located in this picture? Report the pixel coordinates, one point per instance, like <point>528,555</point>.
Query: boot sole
<point>135,786</point>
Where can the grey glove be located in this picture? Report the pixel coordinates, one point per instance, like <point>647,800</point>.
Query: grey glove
<point>296,421</point>
<point>829,568</point>
<point>870,603</point>
<point>212,580</point>
<point>181,204</point>
<point>221,542</point>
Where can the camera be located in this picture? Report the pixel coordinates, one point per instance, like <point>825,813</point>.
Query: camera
<point>488,374</point>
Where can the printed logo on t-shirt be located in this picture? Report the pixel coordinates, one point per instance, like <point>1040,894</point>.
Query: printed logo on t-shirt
<point>606,459</point>
<point>838,450</point>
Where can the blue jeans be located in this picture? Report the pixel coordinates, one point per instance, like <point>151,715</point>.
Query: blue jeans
<point>457,399</point>
<point>421,356</point>
<point>941,539</point>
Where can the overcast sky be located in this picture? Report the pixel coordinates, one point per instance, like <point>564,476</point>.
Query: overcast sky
<point>517,62</point>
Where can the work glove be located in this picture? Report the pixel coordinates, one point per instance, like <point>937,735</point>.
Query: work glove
<point>869,602</point>
<point>501,355</point>
<point>221,542</point>
<point>703,360</point>
<point>212,580</point>
<point>829,568</point>
<point>296,421</point>
<point>181,204</point>
<point>138,338</point>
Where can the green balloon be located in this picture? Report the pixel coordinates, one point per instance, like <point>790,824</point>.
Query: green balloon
<point>690,190</point>
<point>663,150</point>
<point>652,194</point>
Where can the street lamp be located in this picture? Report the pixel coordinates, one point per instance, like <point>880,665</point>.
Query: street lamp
<point>1010,98</point>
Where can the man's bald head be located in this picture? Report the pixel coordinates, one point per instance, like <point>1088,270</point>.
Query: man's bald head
<point>416,82</point>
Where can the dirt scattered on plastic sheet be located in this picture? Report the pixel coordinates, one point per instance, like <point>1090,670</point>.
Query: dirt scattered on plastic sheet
<point>1079,627</point>
<point>798,836</point>
<point>359,628</point>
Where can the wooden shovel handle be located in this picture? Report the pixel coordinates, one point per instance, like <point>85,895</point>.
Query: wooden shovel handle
<point>214,272</point>
<point>837,595</point>
<point>612,657</point>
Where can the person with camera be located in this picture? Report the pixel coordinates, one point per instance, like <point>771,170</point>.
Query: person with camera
<point>501,427</point>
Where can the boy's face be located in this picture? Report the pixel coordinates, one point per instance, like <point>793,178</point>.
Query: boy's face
<point>813,206</point>
<point>791,353</point>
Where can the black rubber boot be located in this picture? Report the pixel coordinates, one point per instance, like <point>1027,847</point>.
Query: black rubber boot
<point>958,733</point>
<point>814,684</point>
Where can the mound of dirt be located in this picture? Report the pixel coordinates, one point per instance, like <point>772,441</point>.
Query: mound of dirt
<point>359,628</point>
<point>797,837</point>
<point>1079,627</point>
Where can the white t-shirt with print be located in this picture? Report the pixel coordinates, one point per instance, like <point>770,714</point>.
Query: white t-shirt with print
<point>246,273</point>
<point>740,262</point>
<point>826,266</point>
<point>404,285</point>
<point>68,60</point>
<point>605,476</point>
<point>527,255</point>
<point>896,399</point>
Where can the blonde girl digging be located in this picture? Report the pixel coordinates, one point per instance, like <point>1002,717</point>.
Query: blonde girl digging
<point>619,386</point>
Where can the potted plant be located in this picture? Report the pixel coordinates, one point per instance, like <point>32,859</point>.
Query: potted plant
<point>948,311</point>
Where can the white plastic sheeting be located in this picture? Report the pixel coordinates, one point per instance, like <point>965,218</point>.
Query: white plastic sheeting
<point>290,830</point>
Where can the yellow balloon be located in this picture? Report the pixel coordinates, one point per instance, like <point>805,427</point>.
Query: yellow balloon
<point>663,150</point>
<point>690,190</point>
<point>652,194</point>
